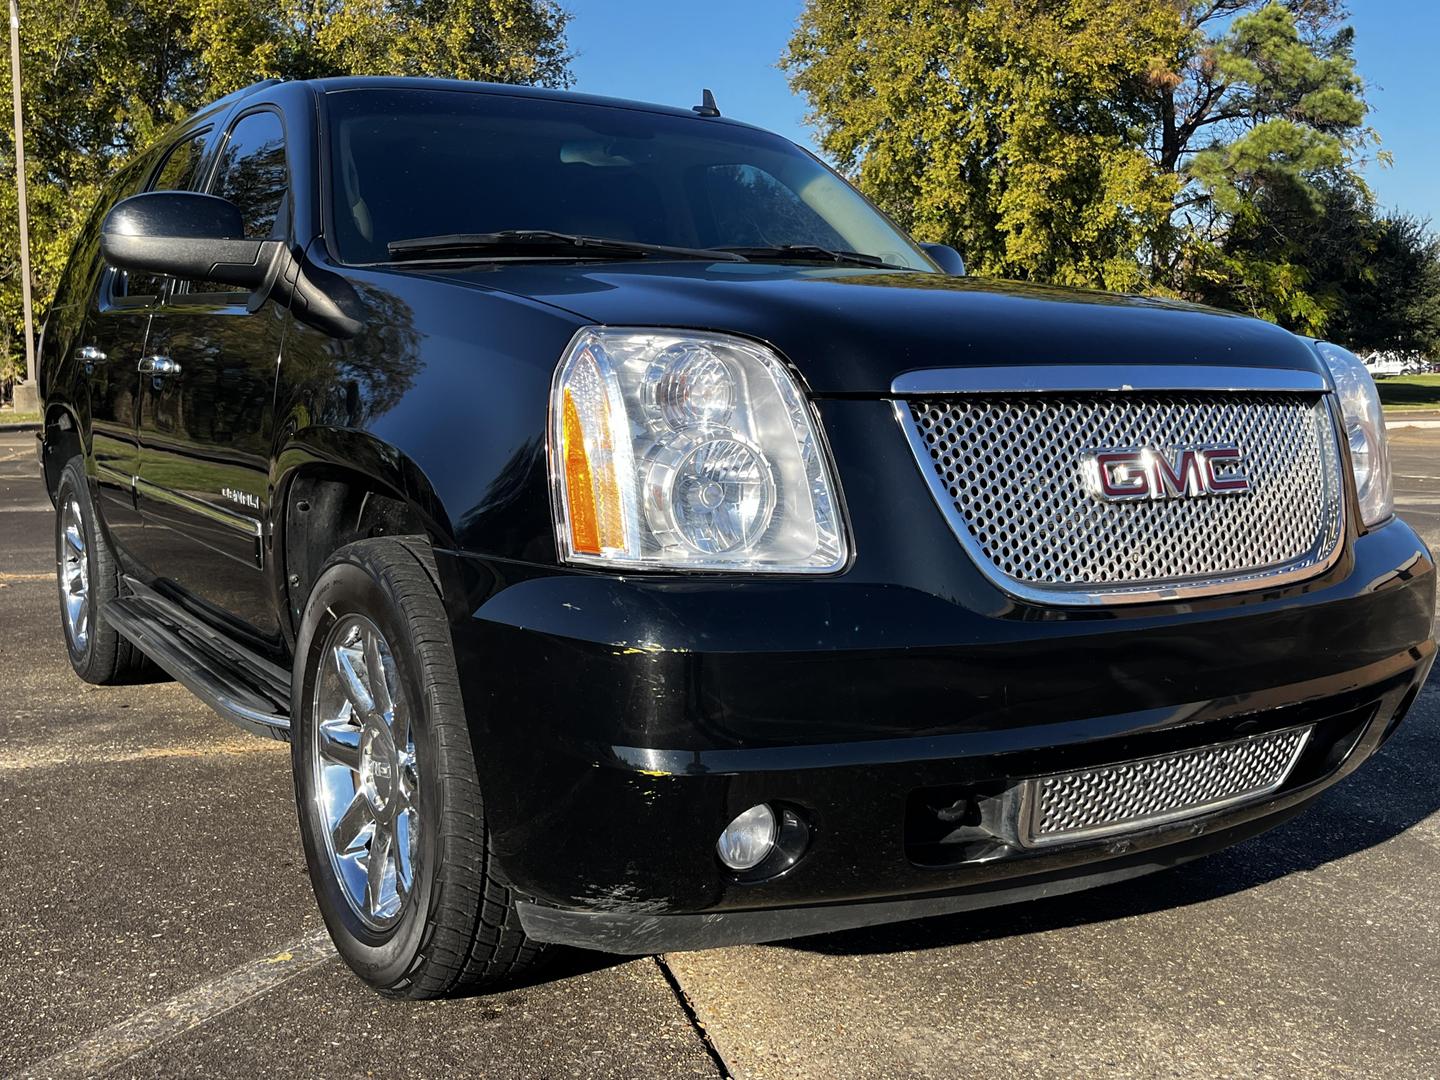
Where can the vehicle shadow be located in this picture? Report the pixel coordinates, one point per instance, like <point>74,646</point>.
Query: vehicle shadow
<point>558,964</point>
<point>1387,796</point>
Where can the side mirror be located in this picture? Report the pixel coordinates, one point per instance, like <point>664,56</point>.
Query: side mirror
<point>945,257</point>
<point>188,235</point>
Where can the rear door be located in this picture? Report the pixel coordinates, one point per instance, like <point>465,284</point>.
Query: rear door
<point>112,343</point>
<point>206,397</point>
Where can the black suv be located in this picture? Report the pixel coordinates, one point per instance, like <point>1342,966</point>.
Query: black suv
<point>645,545</point>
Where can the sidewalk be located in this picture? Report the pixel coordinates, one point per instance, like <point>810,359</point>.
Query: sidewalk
<point>8,421</point>
<point>1412,418</point>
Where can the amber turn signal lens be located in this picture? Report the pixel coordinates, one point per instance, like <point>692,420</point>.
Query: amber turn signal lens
<point>579,484</point>
<point>596,517</point>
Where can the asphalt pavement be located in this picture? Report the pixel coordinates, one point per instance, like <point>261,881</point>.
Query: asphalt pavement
<point>1415,464</point>
<point>155,920</point>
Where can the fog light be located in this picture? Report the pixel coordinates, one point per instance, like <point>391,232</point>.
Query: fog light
<point>749,839</point>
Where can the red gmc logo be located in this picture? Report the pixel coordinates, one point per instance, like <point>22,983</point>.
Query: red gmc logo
<point>1145,473</point>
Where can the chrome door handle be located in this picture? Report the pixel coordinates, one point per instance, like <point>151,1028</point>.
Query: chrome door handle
<point>90,354</point>
<point>159,365</point>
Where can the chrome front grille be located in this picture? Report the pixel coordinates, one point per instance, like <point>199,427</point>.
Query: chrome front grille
<point>1007,470</point>
<point>1136,794</point>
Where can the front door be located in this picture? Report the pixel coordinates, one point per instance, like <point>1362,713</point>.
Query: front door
<point>205,423</point>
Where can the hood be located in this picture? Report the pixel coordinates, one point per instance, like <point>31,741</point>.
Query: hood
<point>853,330</point>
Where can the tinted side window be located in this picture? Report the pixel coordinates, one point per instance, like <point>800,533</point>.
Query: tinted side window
<point>252,174</point>
<point>176,173</point>
<point>86,269</point>
<point>129,181</point>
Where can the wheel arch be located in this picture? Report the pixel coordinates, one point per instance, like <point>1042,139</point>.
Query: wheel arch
<point>61,440</point>
<point>334,486</point>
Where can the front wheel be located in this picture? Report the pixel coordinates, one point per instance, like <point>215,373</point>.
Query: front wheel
<point>390,809</point>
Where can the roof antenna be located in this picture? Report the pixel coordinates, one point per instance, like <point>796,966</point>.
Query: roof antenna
<point>707,106</point>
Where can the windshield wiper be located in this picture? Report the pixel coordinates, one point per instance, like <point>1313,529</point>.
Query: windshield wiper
<point>810,253</point>
<point>544,243</point>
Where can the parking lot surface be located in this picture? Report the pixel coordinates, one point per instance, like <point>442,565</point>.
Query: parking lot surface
<point>1415,461</point>
<point>155,920</point>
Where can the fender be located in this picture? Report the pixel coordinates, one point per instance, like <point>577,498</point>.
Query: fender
<point>442,395</point>
<point>361,455</point>
<point>333,462</point>
<point>62,428</point>
<point>62,392</point>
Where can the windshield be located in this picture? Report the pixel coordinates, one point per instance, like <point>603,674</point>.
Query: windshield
<point>421,163</point>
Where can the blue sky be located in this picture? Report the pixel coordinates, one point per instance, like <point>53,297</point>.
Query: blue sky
<point>666,50</point>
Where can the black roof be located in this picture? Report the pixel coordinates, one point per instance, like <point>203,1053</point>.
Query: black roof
<point>394,82</point>
<point>340,84</point>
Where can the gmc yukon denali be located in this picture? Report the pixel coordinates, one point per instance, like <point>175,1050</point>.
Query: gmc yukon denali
<point>645,545</point>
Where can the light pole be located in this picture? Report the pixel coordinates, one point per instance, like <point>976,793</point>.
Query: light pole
<point>30,399</point>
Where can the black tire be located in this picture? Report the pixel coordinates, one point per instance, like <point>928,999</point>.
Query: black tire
<point>458,927</point>
<point>100,656</point>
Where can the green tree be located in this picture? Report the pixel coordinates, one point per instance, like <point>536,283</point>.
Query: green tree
<point>103,78</point>
<point>1267,115</point>
<point>511,41</point>
<point>1405,284</point>
<point>1380,275</point>
<point>1010,128</point>
<point>1109,143</point>
<point>1373,278</point>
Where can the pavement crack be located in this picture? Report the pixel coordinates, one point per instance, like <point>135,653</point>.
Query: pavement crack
<point>688,1008</point>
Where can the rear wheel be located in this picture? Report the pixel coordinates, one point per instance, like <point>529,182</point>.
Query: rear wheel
<point>390,809</point>
<point>89,578</point>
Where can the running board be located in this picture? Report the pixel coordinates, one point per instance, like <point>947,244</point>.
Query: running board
<point>240,685</point>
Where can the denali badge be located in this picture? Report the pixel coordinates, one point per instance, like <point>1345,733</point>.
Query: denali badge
<point>244,498</point>
<point>1145,473</point>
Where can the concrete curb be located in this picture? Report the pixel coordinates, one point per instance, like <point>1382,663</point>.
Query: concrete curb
<point>28,425</point>
<point>1418,422</point>
<point>1412,414</point>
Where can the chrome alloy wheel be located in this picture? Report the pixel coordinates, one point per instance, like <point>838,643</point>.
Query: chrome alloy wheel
<point>366,778</point>
<point>75,575</point>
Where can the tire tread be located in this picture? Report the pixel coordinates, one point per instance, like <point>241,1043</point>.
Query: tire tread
<point>474,935</point>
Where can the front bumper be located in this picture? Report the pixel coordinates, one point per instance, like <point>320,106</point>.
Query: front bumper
<point>621,723</point>
<point>638,933</point>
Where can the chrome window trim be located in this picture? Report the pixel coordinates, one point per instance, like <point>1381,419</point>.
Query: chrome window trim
<point>1170,591</point>
<point>1107,379</point>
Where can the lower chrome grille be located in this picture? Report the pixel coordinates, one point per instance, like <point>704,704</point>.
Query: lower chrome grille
<point>1132,795</point>
<point>1010,474</point>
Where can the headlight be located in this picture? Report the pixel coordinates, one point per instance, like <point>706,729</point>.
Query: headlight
<point>1365,430</point>
<point>679,450</point>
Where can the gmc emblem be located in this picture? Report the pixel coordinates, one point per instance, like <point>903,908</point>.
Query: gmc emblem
<point>1144,473</point>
